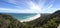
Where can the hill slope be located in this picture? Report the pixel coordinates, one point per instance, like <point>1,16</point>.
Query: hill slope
<point>46,21</point>
<point>7,21</point>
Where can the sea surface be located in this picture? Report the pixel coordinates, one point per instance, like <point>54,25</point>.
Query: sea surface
<point>22,16</point>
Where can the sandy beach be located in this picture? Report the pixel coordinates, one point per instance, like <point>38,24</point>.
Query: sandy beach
<point>31,18</point>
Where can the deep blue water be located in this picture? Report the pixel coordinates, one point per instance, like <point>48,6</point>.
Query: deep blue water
<point>21,16</point>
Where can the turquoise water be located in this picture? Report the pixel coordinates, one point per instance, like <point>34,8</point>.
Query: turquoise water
<point>21,16</point>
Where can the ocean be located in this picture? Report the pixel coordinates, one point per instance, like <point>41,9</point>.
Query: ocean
<point>23,16</point>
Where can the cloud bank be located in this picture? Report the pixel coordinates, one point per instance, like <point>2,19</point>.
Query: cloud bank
<point>30,6</point>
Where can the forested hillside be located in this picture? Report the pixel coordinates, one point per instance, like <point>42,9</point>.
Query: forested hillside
<point>45,21</point>
<point>7,21</point>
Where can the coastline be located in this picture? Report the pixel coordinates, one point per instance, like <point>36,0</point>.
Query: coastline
<point>31,18</point>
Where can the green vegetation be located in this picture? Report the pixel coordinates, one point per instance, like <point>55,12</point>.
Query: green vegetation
<point>7,21</point>
<point>45,21</point>
<point>53,23</point>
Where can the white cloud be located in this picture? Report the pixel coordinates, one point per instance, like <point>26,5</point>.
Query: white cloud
<point>50,6</point>
<point>32,6</point>
<point>7,10</point>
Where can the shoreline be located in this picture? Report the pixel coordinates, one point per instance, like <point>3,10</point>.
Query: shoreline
<point>31,18</point>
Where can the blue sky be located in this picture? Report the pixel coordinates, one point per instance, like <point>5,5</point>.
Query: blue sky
<point>29,6</point>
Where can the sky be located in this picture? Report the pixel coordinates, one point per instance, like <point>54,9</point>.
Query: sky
<point>29,6</point>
